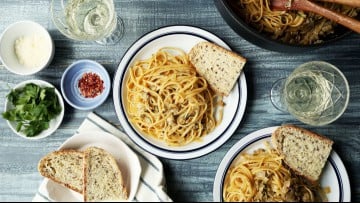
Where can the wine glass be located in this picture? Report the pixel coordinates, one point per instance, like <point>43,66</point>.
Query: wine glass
<point>316,93</point>
<point>88,20</point>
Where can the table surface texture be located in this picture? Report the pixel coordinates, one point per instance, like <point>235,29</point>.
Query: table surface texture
<point>188,180</point>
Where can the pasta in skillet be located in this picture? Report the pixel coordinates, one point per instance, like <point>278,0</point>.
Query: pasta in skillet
<point>293,27</point>
<point>169,101</point>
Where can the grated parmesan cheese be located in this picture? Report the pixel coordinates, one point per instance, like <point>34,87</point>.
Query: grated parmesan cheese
<point>31,51</point>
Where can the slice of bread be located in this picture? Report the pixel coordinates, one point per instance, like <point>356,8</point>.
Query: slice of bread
<point>64,167</point>
<point>219,66</point>
<point>103,179</point>
<point>305,152</point>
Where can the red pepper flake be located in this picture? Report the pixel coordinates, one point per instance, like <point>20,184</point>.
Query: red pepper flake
<point>90,85</point>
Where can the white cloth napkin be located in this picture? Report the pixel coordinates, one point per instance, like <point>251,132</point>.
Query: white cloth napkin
<point>152,182</point>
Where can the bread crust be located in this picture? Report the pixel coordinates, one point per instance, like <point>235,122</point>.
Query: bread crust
<point>277,138</point>
<point>219,66</point>
<point>290,133</point>
<point>44,162</point>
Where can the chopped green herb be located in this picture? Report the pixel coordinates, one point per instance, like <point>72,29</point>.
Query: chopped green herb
<point>34,107</point>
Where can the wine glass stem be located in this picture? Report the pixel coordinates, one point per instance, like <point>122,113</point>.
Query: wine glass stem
<point>276,95</point>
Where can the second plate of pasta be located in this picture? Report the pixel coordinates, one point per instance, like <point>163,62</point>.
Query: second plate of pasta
<point>241,175</point>
<point>175,96</point>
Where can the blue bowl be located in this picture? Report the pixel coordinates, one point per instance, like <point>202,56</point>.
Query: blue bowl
<point>70,80</point>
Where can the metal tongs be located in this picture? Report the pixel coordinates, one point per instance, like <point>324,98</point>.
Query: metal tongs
<point>305,5</point>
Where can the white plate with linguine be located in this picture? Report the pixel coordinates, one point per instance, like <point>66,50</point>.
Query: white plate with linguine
<point>334,180</point>
<point>136,109</point>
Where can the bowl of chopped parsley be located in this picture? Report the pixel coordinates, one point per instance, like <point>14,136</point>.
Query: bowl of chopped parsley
<point>34,109</point>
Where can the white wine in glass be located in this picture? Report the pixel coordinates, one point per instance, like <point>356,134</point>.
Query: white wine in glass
<point>316,93</point>
<point>88,20</point>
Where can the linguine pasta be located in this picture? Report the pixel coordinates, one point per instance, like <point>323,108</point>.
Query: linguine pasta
<point>169,101</point>
<point>263,177</point>
<point>293,27</point>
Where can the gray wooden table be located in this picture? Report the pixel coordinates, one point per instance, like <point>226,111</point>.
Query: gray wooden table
<point>187,180</point>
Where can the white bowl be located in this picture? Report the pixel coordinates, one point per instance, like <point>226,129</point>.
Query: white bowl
<point>37,46</point>
<point>54,123</point>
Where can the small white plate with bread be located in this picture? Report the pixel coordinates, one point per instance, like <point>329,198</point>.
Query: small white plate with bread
<point>91,166</point>
<point>233,87</point>
<point>297,146</point>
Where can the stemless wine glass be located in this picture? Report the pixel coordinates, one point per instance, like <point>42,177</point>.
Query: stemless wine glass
<point>88,20</point>
<point>316,93</point>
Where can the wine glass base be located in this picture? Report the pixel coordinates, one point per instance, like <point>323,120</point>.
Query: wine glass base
<point>116,35</point>
<point>275,95</point>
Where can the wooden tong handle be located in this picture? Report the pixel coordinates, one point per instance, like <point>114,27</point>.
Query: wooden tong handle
<point>353,3</point>
<point>344,20</point>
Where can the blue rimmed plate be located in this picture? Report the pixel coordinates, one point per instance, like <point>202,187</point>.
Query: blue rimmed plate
<point>183,37</point>
<point>334,173</point>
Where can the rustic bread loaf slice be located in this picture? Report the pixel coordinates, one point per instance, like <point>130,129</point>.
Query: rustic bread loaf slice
<point>304,151</point>
<point>103,179</point>
<point>219,66</point>
<point>64,167</point>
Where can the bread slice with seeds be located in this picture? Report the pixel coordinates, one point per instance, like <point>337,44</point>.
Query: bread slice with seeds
<point>103,179</point>
<point>64,167</point>
<point>304,151</point>
<point>219,66</point>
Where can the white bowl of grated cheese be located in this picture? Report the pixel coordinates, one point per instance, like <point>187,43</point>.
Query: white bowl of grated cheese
<point>26,47</point>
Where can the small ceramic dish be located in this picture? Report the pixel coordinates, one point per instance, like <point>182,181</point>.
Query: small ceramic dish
<point>85,84</point>
<point>53,124</point>
<point>26,48</point>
